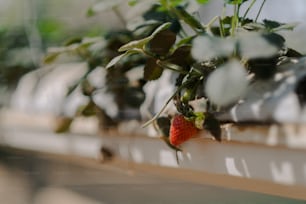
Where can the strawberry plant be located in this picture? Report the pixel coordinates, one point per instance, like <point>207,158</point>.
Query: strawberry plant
<point>213,63</point>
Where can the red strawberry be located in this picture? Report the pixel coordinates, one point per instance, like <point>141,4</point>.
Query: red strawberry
<point>181,130</point>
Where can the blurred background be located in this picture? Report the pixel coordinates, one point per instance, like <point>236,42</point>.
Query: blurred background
<point>27,29</point>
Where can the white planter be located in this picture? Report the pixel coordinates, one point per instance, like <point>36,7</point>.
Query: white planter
<point>261,158</point>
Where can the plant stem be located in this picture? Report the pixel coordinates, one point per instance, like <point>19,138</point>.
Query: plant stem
<point>223,14</point>
<point>174,67</point>
<point>248,9</point>
<point>260,9</point>
<point>162,109</point>
<point>222,32</point>
<point>188,19</point>
<point>165,105</point>
<point>234,20</point>
<point>209,24</point>
<point>212,21</point>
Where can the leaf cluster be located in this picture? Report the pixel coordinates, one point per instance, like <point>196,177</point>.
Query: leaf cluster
<point>212,61</point>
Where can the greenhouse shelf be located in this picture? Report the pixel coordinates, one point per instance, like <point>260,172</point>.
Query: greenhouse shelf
<point>269,159</point>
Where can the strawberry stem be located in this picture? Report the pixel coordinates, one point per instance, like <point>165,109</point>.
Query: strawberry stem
<point>177,158</point>
<point>164,107</point>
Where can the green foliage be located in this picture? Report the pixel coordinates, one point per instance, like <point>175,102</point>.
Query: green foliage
<point>202,1</point>
<point>144,41</point>
<point>15,56</point>
<point>50,29</point>
<point>235,2</point>
<point>218,59</point>
<point>212,61</point>
<point>212,125</point>
<point>133,2</point>
<point>152,70</point>
<point>116,59</point>
<point>188,19</point>
<point>134,96</point>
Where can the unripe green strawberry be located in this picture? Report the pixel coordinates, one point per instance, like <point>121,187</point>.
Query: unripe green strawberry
<point>181,130</point>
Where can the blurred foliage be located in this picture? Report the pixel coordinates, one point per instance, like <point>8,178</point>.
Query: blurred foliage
<point>51,30</point>
<point>18,57</point>
<point>213,61</point>
<point>15,56</point>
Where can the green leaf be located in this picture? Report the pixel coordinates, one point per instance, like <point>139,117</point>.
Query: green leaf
<point>275,39</point>
<point>163,124</point>
<point>182,56</point>
<point>257,45</point>
<point>162,42</point>
<point>287,26</point>
<point>132,2</point>
<point>202,1</point>
<point>184,41</point>
<point>140,43</point>
<point>269,24</point>
<point>235,2</point>
<point>212,125</point>
<point>189,19</point>
<point>87,110</point>
<point>171,66</point>
<point>161,28</point>
<point>90,12</point>
<point>207,47</point>
<point>277,26</point>
<point>135,44</point>
<point>226,84</point>
<point>293,53</point>
<point>254,26</point>
<point>141,26</point>
<point>51,57</point>
<point>73,41</point>
<point>165,4</point>
<point>115,60</point>
<point>152,71</point>
<point>263,68</point>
